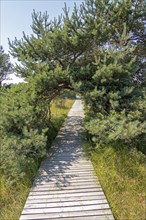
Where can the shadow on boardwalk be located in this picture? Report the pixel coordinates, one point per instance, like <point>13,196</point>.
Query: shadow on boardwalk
<point>65,151</point>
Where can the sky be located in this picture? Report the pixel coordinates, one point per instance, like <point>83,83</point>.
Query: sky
<point>15,17</point>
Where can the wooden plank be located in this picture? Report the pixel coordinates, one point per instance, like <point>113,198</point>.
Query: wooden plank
<point>71,168</point>
<point>61,168</point>
<point>89,213</point>
<point>65,204</point>
<point>71,175</point>
<point>69,165</point>
<point>61,181</point>
<point>66,191</point>
<point>70,156</point>
<point>68,180</point>
<point>71,182</point>
<point>65,195</point>
<point>97,217</point>
<point>58,200</point>
<point>57,187</point>
<point>55,162</point>
<point>48,170</point>
<point>80,182</point>
<point>59,175</point>
<point>64,165</point>
<point>68,159</point>
<point>63,178</point>
<point>65,209</point>
<point>71,152</point>
<point>71,172</point>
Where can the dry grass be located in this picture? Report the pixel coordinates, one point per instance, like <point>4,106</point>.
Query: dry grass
<point>13,199</point>
<point>123,177</point>
<point>59,108</point>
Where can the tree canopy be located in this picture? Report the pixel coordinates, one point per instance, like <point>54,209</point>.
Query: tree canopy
<point>98,51</point>
<point>5,65</point>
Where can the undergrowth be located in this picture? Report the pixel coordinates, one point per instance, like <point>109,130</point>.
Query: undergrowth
<point>13,197</point>
<point>121,172</point>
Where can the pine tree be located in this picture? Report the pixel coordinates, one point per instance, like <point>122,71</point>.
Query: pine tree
<point>5,65</point>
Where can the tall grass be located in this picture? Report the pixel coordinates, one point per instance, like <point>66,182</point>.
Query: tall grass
<point>12,198</point>
<point>121,172</point>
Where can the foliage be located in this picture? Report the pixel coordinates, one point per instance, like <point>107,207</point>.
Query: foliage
<point>5,65</point>
<point>25,125</point>
<point>23,130</point>
<point>116,111</point>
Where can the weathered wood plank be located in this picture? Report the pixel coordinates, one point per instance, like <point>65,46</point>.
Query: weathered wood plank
<point>73,169</point>
<point>71,182</point>
<point>70,168</point>
<point>71,175</point>
<point>81,182</point>
<point>65,195</point>
<point>105,213</point>
<point>65,204</point>
<point>66,191</point>
<point>53,210</point>
<point>58,200</point>
<point>97,217</point>
<point>69,172</point>
<point>63,178</point>
<point>110,217</point>
<point>52,187</point>
<point>53,161</point>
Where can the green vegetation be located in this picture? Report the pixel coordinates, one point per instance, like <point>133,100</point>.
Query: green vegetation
<point>5,65</point>
<point>13,196</point>
<point>100,52</point>
<point>122,175</point>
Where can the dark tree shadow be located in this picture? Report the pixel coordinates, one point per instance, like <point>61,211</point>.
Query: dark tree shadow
<point>65,151</point>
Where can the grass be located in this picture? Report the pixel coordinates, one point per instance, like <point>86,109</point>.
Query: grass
<point>12,198</point>
<point>59,109</point>
<point>121,172</point>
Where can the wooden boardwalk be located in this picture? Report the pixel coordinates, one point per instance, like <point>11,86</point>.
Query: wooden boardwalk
<point>66,187</point>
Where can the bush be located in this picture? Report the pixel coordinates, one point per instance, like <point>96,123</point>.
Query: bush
<point>23,131</point>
